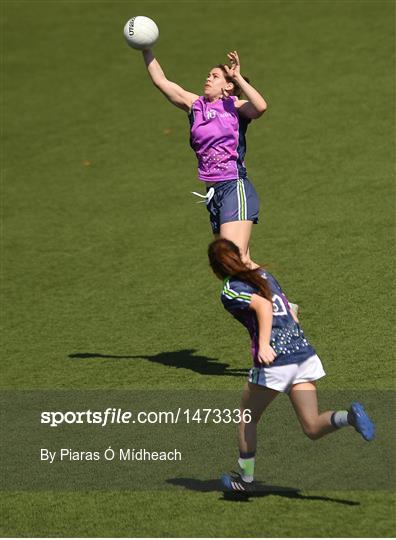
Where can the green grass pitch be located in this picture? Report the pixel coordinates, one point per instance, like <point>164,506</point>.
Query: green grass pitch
<point>104,248</point>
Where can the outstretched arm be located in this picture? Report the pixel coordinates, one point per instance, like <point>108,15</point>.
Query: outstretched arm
<point>172,91</point>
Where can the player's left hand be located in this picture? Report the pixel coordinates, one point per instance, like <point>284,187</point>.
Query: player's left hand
<point>235,68</point>
<point>266,355</point>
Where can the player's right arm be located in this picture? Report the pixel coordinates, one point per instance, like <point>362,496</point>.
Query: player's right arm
<point>175,93</point>
<point>263,310</point>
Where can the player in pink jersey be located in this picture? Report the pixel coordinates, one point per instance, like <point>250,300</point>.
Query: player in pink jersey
<point>218,123</point>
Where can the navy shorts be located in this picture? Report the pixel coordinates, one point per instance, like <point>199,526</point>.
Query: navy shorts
<point>232,200</point>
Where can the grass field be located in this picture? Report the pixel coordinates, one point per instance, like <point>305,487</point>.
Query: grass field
<point>104,248</point>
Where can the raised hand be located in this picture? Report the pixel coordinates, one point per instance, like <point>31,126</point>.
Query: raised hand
<point>235,68</point>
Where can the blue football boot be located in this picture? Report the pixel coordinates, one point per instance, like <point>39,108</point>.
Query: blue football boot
<point>361,421</point>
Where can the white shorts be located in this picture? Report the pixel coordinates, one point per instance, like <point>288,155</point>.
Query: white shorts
<point>282,378</point>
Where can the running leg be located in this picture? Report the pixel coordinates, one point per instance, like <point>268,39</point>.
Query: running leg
<point>303,397</point>
<point>255,399</point>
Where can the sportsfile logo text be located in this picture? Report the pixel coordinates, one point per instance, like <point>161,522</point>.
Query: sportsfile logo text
<point>112,415</point>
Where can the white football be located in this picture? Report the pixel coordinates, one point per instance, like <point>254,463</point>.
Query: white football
<point>141,32</point>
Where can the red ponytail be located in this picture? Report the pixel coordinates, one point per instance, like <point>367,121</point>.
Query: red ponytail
<point>225,260</point>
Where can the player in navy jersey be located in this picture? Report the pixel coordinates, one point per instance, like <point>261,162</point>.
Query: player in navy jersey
<point>218,123</point>
<point>283,359</point>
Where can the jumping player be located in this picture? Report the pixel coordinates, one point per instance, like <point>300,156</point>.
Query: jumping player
<point>218,123</point>
<point>283,359</point>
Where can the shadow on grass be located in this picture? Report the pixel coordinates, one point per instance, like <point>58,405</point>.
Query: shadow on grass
<point>263,490</point>
<point>185,359</point>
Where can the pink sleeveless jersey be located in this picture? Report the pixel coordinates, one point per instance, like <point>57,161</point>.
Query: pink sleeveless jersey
<point>217,135</point>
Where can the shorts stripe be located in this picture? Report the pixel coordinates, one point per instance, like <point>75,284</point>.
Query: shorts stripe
<point>241,200</point>
<point>255,375</point>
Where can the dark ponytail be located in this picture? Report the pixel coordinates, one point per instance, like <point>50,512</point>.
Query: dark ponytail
<point>225,260</point>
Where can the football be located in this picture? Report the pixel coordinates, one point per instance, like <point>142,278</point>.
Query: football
<point>141,32</point>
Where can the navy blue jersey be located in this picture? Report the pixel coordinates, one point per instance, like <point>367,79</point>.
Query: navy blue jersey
<point>287,337</point>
